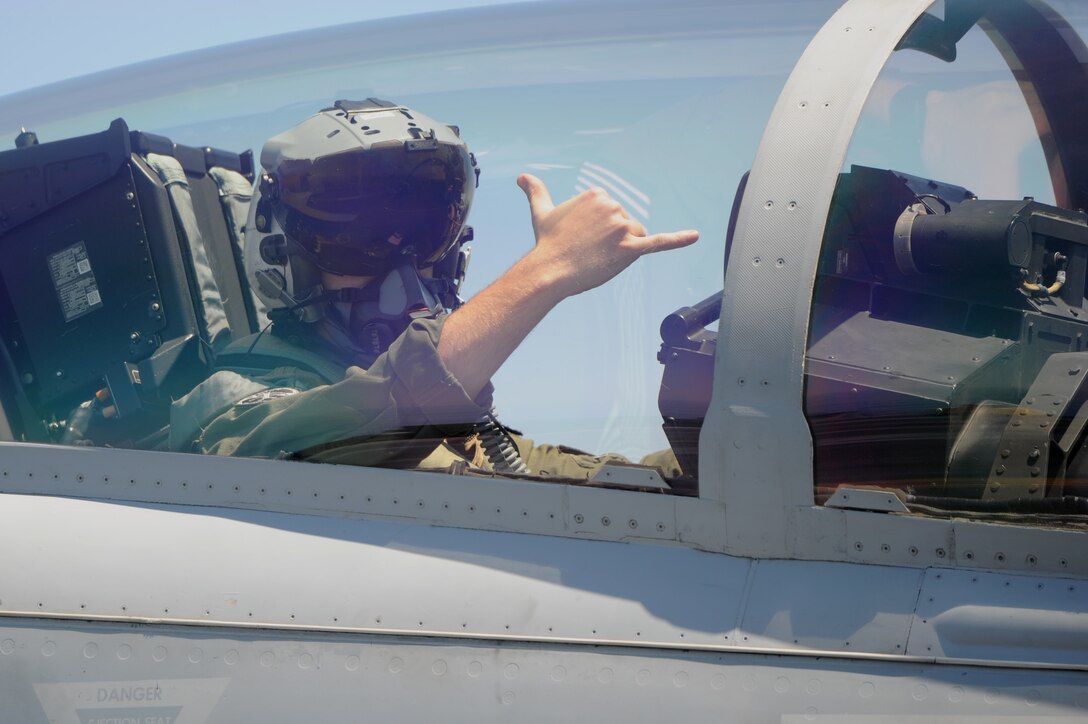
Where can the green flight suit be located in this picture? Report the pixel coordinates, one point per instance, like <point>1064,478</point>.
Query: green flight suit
<point>406,410</point>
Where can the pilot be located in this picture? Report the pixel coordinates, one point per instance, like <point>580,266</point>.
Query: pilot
<point>354,241</point>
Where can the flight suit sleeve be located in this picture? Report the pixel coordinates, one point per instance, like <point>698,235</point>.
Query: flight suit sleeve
<point>406,386</point>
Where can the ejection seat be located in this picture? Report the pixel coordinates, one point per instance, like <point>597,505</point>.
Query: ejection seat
<point>121,277</point>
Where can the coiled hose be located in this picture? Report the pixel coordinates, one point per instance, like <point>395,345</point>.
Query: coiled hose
<point>499,447</point>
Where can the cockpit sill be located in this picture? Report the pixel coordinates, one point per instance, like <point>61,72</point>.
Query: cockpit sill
<point>923,540</point>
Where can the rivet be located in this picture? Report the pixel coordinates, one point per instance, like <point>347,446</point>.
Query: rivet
<point>606,521</point>
<point>1006,452</point>
<point>1000,470</point>
<point>1035,472</point>
<point>579,518</point>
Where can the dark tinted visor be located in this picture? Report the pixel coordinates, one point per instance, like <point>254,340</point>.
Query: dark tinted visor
<point>355,212</point>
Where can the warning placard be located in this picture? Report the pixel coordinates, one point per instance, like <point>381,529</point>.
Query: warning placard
<point>161,701</point>
<point>77,289</point>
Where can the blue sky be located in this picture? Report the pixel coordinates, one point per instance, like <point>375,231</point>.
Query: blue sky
<point>45,42</point>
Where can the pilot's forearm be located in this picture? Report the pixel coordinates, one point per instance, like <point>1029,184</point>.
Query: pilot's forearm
<point>478,338</point>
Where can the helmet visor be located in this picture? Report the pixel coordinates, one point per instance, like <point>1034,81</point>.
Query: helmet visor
<point>356,212</point>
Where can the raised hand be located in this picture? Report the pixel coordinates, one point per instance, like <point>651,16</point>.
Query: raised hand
<point>580,244</point>
<point>588,239</point>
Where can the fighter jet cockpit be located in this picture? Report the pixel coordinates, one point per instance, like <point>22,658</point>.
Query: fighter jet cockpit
<point>945,356</point>
<point>124,224</point>
<point>827,462</point>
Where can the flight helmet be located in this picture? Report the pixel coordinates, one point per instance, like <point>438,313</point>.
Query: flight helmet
<point>357,189</point>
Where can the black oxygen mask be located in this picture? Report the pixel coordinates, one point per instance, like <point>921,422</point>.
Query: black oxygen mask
<point>375,315</point>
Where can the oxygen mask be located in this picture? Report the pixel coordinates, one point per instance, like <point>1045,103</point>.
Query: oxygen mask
<point>374,315</point>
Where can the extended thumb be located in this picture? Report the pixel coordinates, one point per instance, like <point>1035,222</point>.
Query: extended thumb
<point>540,201</point>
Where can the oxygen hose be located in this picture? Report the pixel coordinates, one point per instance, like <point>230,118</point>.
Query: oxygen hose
<point>499,447</point>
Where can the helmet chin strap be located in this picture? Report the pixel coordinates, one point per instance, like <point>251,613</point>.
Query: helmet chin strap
<point>367,319</point>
